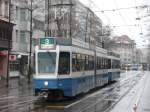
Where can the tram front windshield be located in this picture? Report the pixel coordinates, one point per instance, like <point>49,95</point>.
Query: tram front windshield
<point>46,62</point>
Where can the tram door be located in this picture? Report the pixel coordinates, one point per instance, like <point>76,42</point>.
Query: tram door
<point>95,67</point>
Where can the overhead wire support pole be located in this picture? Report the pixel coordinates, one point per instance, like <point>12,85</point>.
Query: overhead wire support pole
<point>30,52</point>
<point>86,25</point>
<point>46,11</point>
<point>70,18</point>
<point>124,8</point>
<point>49,18</point>
<point>7,80</point>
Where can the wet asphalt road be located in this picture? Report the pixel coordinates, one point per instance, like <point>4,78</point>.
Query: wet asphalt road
<point>21,99</point>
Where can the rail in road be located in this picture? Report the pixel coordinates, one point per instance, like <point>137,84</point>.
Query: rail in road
<point>100,100</point>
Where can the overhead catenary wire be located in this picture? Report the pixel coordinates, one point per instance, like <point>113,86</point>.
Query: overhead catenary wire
<point>136,8</point>
<point>108,19</point>
<point>120,14</point>
<point>123,8</point>
<point>118,9</point>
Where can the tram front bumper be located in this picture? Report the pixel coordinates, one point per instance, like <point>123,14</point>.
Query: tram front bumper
<point>48,85</point>
<point>45,84</point>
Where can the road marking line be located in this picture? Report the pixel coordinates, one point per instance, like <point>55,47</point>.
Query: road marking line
<point>9,97</point>
<point>88,96</point>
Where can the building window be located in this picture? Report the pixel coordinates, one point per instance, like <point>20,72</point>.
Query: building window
<point>17,13</point>
<point>1,33</point>
<point>4,34</point>
<point>6,9</point>
<point>22,14</point>
<point>14,66</point>
<point>0,7</point>
<point>17,36</point>
<point>23,37</point>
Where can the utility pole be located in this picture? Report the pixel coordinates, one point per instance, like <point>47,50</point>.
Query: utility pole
<point>48,31</point>
<point>30,52</point>
<point>70,18</point>
<point>86,25</point>
<point>48,19</point>
<point>7,81</point>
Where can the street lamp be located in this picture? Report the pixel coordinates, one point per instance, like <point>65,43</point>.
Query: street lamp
<point>7,81</point>
<point>30,52</point>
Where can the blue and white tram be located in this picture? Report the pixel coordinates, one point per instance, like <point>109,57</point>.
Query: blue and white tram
<point>114,69</point>
<point>69,70</point>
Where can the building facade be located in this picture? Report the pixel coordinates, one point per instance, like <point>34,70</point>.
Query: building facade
<point>5,36</point>
<point>139,56</point>
<point>21,17</point>
<point>124,46</point>
<point>71,19</point>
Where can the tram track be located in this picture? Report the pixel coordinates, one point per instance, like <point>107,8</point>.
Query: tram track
<point>134,82</point>
<point>124,82</point>
<point>16,93</point>
<point>22,104</point>
<point>26,101</point>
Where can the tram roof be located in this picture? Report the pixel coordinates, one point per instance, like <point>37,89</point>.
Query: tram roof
<point>64,41</point>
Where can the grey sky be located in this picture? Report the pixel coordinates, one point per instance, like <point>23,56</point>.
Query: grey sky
<point>124,20</point>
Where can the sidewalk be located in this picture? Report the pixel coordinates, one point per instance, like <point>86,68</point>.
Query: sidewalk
<point>14,83</point>
<point>137,98</point>
<point>17,89</point>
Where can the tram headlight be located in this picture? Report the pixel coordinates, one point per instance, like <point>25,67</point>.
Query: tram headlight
<point>46,83</point>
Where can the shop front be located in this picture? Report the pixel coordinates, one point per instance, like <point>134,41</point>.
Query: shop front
<point>5,44</point>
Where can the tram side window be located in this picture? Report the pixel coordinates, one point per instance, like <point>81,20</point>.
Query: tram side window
<point>109,64</point>
<point>74,62</point>
<point>106,63</point>
<point>78,64</point>
<point>115,64</point>
<point>86,62</point>
<point>82,62</point>
<point>97,63</point>
<point>91,62</point>
<point>102,63</point>
<point>64,63</point>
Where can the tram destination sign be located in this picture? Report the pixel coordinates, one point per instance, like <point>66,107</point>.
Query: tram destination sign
<point>47,43</point>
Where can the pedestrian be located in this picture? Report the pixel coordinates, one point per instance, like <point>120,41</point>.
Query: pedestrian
<point>135,108</point>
